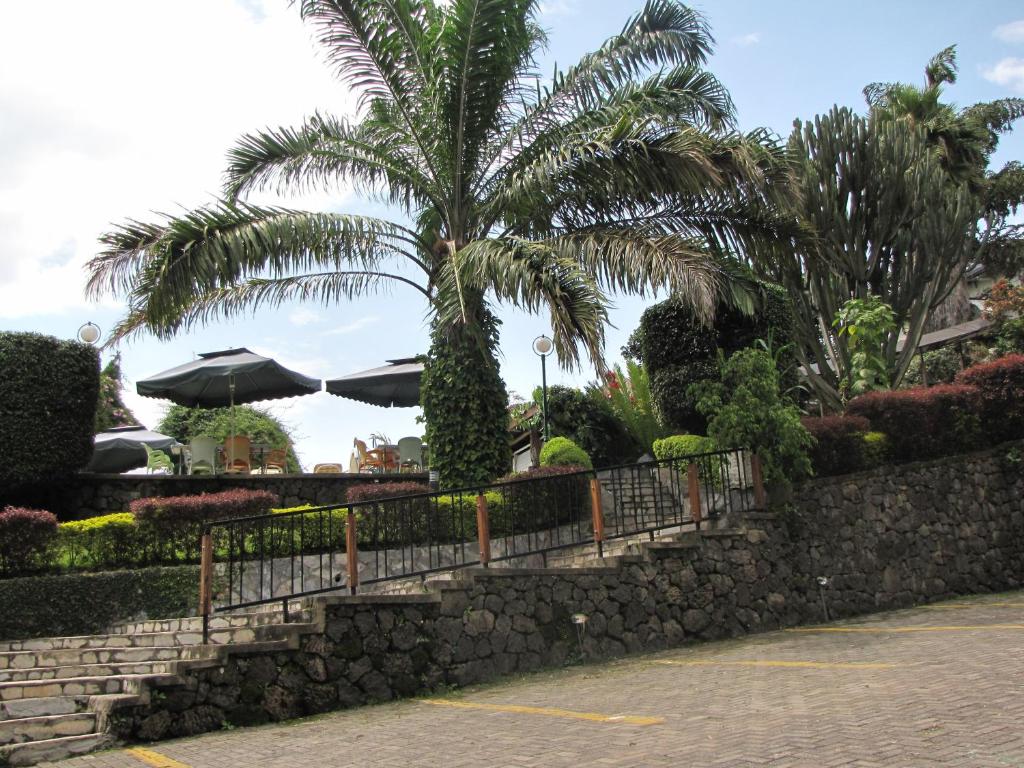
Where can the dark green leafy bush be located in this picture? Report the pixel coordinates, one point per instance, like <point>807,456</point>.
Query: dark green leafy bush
<point>875,448</point>
<point>563,452</point>
<point>48,396</point>
<point>555,495</point>
<point>924,422</point>
<point>25,536</point>
<point>588,421</point>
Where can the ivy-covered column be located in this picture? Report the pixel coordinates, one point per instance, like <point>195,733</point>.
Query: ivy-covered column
<point>465,404</point>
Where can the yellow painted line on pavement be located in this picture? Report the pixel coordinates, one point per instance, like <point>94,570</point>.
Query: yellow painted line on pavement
<point>155,759</point>
<point>886,630</point>
<point>783,664</point>
<point>594,717</point>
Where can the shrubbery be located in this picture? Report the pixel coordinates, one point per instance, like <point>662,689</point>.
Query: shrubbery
<point>924,423</point>
<point>589,421</point>
<point>48,396</point>
<point>682,446</point>
<point>109,541</point>
<point>25,535</point>
<point>838,443</point>
<point>563,452</point>
<point>1000,385</point>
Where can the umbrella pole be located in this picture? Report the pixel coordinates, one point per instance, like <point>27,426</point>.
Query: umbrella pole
<point>231,395</point>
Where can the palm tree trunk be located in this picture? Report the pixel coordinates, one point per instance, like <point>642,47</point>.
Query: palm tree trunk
<point>464,401</point>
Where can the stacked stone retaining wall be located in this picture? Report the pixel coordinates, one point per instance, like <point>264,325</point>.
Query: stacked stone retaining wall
<point>884,539</point>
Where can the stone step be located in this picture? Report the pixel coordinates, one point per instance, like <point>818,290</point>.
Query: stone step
<point>11,660</point>
<point>46,727</point>
<point>137,640</point>
<point>76,686</point>
<point>217,622</point>
<point>84,670</point>
<point>51,706</point>
<point>33,752</point>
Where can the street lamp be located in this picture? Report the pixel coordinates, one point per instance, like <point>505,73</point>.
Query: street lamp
<point>542,346</point>
<point>89,333</point>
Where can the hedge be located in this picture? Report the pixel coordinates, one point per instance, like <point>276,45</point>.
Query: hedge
<point>924,423</point>
<point>590,423</point>
<point>1000,386</point>
<point>682,446</point>
<point>563,452</point>
<point>48,397</point>
<point>25,536</point>
<point>85,604</point>
<point>838,443</point>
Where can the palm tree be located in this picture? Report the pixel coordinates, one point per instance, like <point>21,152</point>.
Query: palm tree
<point>964,140</point>
<point>623,173</point>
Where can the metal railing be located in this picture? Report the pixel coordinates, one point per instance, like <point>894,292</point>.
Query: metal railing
<point>269,558</point>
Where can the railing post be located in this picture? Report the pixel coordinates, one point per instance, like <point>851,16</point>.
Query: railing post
<point>483,529</point>
<point>351,551</point>
<point>758,477</point>
<point>206,581</point>
<point>597,512</point>
<point>693,480</point>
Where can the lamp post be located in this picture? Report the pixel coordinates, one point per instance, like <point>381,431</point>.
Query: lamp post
<point>542,346</point>
<point>89,333</point>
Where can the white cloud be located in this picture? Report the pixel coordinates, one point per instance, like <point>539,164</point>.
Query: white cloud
<point>356,325</point>
<point>747,40</point>
<point>1009,73</point>
<point>125,108</point>
<point>555,8</point>
<point>1013,32</point>
<point>303,316</point>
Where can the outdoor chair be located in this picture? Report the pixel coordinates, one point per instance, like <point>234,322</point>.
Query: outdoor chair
<point>327,469</point>
<point>204,456</point>
<point>158,461</point>
<point>275,462</point>
<point>236,454</point>
<point>410,454</point>
<point>368,460</point>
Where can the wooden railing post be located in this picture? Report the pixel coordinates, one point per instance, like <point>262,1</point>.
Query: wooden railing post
<point>351,551</point>
<point>693,481</point>
<point>483,529</point>
<point>597,513</point>
<point>206,581</point>
<point>758,477</point>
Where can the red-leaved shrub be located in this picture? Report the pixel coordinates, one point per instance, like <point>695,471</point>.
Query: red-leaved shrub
<point>176,522</point>
<point>25,534</point>
<point>1001,395</point>
<point>923,422</point>
<point>838,443</point>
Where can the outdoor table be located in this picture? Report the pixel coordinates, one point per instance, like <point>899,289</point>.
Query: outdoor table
<point>259,449</point>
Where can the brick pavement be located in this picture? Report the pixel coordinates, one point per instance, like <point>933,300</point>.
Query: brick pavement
<point>938,694</point>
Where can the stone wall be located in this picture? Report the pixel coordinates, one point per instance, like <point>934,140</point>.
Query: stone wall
<point>88,495</point>
<point>884,539</point>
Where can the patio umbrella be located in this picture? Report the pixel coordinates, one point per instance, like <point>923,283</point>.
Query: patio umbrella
<point>227,378</point>
<point>120,448</point>
<point>396,384</point>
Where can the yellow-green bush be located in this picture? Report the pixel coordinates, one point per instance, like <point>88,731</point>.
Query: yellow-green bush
<point>110,541</point>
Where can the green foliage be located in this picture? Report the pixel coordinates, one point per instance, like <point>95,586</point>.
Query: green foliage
<point>629,396</point>
<point>260,425</point>
<point>942,365</point>
<point>85,604</point>
<point>111,410</point>
<point>587,419</point>
<point>682,446</point>
<point>25,535</point>
<point>563,452</point>
<point>875,449</point>
<point>745,410</point>
<point>109,541</point>
<point>48,396</point>
<point>465,405</point>
<point>678,349</point>
<point>866,324</point>
<point>1004,306</point>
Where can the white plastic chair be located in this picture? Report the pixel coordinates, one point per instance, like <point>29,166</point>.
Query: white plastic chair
<point>204,455</point>
<point>410,454</point>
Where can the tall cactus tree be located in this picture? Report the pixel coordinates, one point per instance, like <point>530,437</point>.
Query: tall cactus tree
<point>622,173</point>
<point>881,219</point>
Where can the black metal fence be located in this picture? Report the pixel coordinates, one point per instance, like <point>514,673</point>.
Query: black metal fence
<point>277,557</point>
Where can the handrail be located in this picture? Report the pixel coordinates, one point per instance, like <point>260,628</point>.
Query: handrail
<point>276,557</point>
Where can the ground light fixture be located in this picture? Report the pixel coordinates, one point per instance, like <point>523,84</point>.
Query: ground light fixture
<point>543,347</point>
<point>89,333</point>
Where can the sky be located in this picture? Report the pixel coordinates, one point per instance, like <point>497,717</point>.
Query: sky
<point>114,109</point>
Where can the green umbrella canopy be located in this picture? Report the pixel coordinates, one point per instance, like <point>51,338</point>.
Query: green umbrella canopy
<point>394,385</point>
<point>208,382</point>
<point>121,448</point>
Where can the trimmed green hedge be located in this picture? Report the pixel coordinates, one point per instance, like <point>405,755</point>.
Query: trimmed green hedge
<point>48,397</point>
<point>682,446</point>
<point>563,452</point>
<point>84,604</point>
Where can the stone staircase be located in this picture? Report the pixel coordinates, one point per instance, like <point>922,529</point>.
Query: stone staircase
<point>56,693</point>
